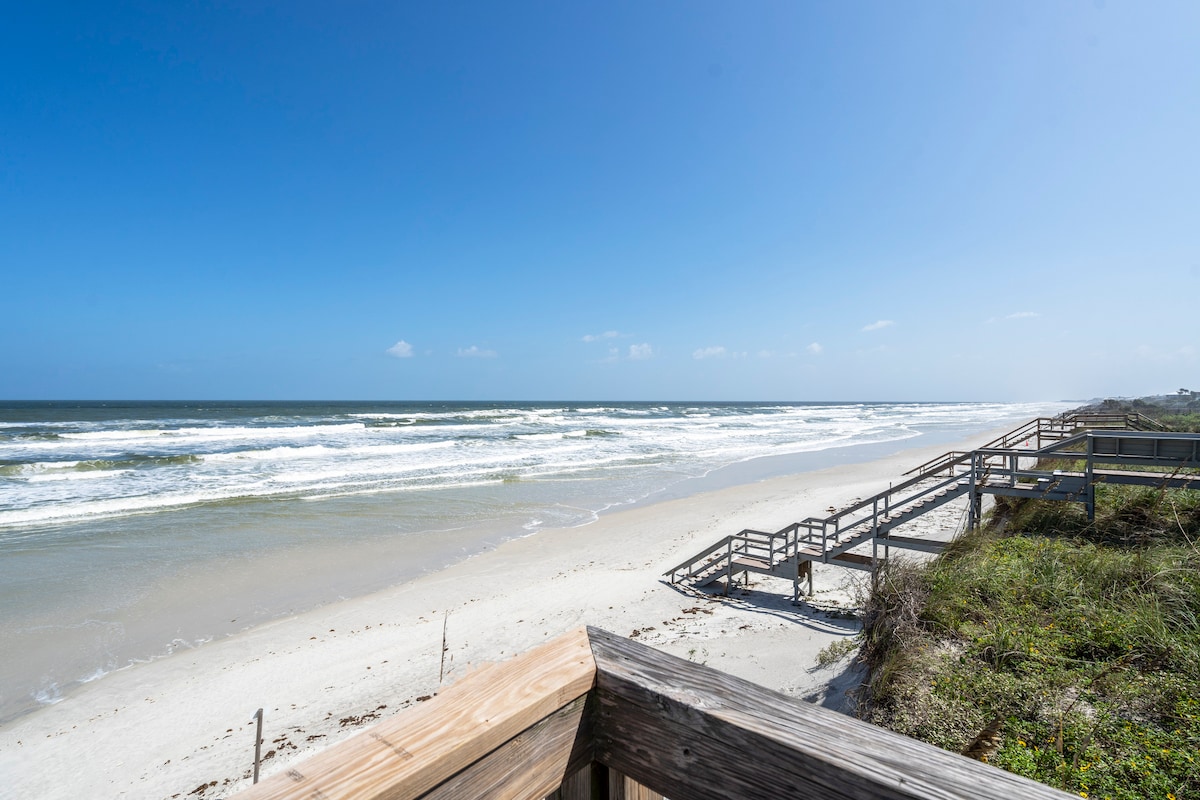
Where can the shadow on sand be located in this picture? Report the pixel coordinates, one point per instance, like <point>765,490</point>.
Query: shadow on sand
<point>826,616</point>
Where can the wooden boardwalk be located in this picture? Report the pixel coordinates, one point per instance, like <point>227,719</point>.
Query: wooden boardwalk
<point>1100,441</point>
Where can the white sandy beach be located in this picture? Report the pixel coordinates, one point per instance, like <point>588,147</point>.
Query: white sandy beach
<point>166,728</point>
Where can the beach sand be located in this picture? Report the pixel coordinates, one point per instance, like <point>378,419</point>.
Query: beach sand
<point>165,728</point>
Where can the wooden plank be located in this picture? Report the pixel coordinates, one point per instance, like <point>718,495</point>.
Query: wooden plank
<point>623,787</point>
<point>911,543</point>
<point>410,754</point>
<point>588,783</point>
<point>528,766</point>
<point>693,733</point>
<point>1157,479</point>
<point>853,561</point>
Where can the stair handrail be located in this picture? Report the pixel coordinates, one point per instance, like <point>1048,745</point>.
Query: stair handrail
<point>1028,430</point>
<point>891,490</point>
<point>897,507</point>
<point>714,550</point>
<point>1040,427</point>
<point>1150,423</point>
<point>1068,428</point>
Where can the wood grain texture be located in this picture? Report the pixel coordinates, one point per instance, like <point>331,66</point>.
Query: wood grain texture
<point>623,787</point>
<point>412,753</point>
<point>692,733</point>
<point>530,765</point>
<point>589,783</point>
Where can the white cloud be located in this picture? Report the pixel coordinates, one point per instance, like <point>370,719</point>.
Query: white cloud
<point>475,352</point>
<point>874,326</point>
<point>401,349</point>
<point>598,337</point>
<point>815,348</point>
<point>1014,315</point>
<point>640,352</point>
<point>709,352</point>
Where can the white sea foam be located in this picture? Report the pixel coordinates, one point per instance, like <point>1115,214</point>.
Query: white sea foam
<point>105,469</point>
<point>48,695</point>
<point>92,475</point>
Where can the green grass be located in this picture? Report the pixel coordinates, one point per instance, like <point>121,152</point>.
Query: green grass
<point>1082,637</point>
<point>1175,418</point>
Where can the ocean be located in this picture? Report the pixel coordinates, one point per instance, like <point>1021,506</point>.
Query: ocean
<point>131,530</point>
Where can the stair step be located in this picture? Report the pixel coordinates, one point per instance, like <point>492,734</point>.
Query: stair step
<point>853,560</point>
<point>910,543</point>
<point>752,563</point>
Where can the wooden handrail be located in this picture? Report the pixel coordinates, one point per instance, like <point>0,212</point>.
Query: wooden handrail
<point>590,715</point>
<point>852,529</point>
<point>415,752</point>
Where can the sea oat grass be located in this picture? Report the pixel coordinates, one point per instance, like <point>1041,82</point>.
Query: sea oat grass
<point>1082,636</point>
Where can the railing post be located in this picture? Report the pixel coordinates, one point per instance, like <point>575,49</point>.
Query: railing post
<point>796,583</point>
<point>1089,482</point>
<point>728,565</point>
<point>874,564</point>
<point>971,520</point>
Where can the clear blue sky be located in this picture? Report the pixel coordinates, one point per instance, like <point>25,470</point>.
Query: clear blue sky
<point>632,200</point>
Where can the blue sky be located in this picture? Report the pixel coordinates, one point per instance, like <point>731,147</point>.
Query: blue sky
<point>586,200</point>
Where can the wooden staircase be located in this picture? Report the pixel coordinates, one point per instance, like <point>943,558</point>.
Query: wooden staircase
<point>1041,432</point>
<point>996,468</point>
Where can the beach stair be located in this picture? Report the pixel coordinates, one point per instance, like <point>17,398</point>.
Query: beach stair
<point>789,553</point>
<point>998,468</point>
<point>1040,432</point>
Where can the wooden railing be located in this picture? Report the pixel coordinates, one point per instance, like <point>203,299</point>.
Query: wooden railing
<point>1037,432</point>
<point>940,480</point>
<point>592,716</point>
<point>829,536</point>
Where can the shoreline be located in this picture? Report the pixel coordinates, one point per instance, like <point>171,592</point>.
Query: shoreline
<point>170,725</point>
<point>216,588</point>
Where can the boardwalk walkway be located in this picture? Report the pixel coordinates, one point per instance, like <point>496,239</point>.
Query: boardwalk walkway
<point>861,535</point>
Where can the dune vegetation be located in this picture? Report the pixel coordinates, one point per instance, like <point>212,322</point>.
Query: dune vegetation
<point>1063,649</point>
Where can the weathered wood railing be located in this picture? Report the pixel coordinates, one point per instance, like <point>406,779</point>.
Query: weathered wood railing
<point>1006,470</point>
<point>1040,431</point>
<point>819,538</point>
<point>592,716</point>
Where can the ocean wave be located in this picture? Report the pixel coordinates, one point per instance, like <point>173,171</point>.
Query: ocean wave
<point>156,465</point>
<point>213,433</point>
<point>547,437</point>
<point>77,476</point>
<point>42,469</point>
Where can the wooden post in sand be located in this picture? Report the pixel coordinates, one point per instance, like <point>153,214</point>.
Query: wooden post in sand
<point>258,715</point>
<point>442,668</point>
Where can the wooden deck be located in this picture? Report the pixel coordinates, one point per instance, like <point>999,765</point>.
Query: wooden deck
<point>592,716</point>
